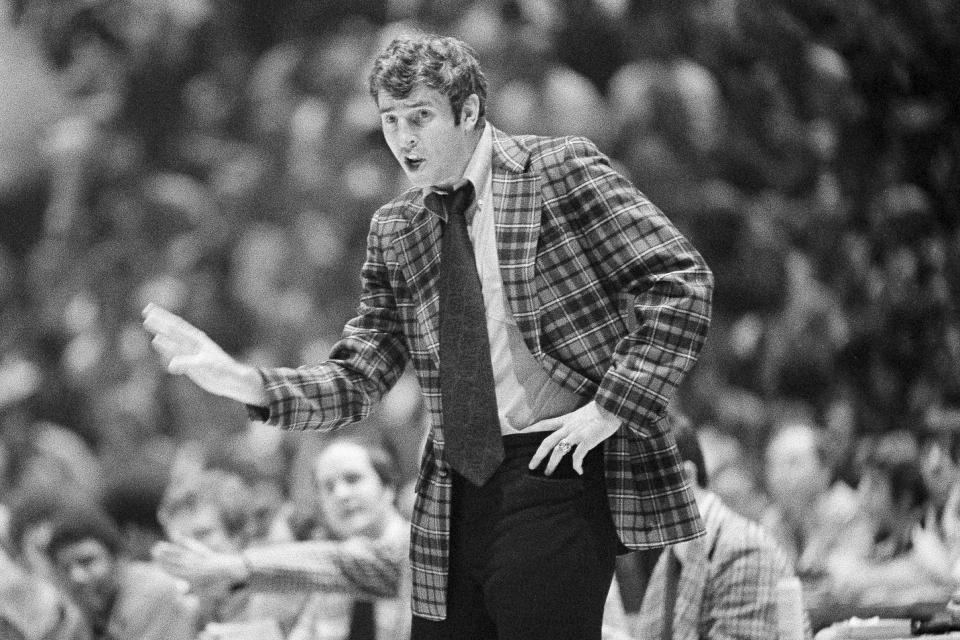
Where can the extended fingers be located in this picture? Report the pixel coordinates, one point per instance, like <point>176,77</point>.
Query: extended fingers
<point>161,322</point>
<point>183,364</point>
<point>579,454</point>
<point>168,555</point>
<point>165,346</point>
<point>562,448</point>
<point>546,447</point>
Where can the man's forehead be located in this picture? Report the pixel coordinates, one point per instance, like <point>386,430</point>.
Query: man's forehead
<point>84,549</point>
<point>419,97</point>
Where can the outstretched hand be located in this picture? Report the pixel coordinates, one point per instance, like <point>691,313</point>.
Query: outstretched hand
<point>189,351</point>
<point>198,564</point>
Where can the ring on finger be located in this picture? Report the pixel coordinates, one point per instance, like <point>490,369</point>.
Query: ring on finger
<point>563,447</point>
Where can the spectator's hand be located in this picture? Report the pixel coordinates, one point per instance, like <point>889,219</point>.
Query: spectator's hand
<point>188,351</point>
<point>929,550</point>
<point>951,516</point>
<point>583,429</point>
<point>198,564</point>
<point>845,576</point>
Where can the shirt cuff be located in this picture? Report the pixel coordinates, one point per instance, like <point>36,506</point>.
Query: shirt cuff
<point>257,413</point>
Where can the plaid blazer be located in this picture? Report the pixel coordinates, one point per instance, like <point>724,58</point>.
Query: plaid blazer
<point>610,298</point>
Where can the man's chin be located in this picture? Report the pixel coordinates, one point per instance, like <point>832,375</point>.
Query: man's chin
<point>358,527</point>
<point>419,180</point>
<point>95,606</point>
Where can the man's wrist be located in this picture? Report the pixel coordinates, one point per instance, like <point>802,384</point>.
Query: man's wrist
<point>239,571</point>
<point>608,416</point>
<point>250,387</point>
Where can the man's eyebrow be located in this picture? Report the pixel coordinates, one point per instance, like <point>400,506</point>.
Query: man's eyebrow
<point>406,105</point>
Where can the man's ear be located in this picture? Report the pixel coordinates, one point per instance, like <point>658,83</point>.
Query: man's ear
<point>470,112</point>
<point>690,472</point>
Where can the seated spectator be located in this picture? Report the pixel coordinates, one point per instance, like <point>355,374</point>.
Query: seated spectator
<point>32,514</point>
<point>355,566</point>
<point>733,472</point>
<point>809,509</point>
<point>875,563</point>
<point>33,609</point>
<point>259,456</point>
<point>132,500</point>
<point>214,508</point>
<point>723,585</point>
<point>936,543</point>
<point>120,599</point>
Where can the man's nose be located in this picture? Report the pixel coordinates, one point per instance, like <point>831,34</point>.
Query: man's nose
<point>341,490</point>
<point>408,137</point>
<point>78,575</point>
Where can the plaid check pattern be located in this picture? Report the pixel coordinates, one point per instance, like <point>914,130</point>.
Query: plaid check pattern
<point>727,586</point>
<point>610,298</point>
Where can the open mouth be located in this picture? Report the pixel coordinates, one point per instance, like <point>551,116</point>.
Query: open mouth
<point>412,162</point>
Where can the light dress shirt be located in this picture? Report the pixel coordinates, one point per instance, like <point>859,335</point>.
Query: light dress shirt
<point>525,393</point>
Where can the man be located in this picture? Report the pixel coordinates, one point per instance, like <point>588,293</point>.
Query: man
<point>585,310</point>
<point>809,510</point>
<point>215,509</point>
<point>32,609</point>
<point>354,567</point>
<point>120,600</point>
<point>722,585</point>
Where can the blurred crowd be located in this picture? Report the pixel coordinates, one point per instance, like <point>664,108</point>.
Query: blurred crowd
<point>223,159</point>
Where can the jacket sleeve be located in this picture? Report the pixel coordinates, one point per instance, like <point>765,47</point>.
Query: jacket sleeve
<point>638,254</point>
<point>359,566</point>
<point>363,365</point>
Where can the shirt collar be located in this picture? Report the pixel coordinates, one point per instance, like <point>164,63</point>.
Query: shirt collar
<point>480,162</point>
<point>480,165</point>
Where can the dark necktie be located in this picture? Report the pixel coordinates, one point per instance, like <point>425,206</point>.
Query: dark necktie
<point>670,595</point>
<point>362,624</point>
<point>471,426</point>
<point>633,576</point>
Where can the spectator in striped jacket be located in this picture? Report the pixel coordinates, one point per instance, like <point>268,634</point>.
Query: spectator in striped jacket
<point>355,566</point>
<point>723,585</point>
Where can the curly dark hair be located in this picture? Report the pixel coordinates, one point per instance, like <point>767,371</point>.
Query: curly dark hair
<point>442,63</point>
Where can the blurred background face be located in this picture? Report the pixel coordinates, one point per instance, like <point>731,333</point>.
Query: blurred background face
<point>203,524</point>
<point>423,137</point>
<point>88,572</point>
<point>938,471</point>
<point>739,489</point>
<point>794,472</point>
<point>353,499</point>
<point>874,496</point>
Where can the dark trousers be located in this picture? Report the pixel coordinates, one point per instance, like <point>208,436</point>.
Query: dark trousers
<point>530,556</point>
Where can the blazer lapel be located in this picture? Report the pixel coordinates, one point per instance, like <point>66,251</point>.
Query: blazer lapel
<point>517,203</point>
<point>419,244</point>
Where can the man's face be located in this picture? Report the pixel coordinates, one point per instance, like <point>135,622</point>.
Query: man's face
<point>203,524</point>
<point>353,499</point>
<point>939,471</point>
<point>88,572</point>
<point>423,137</point>
<point>794,472</point>
<point>874,496</point>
